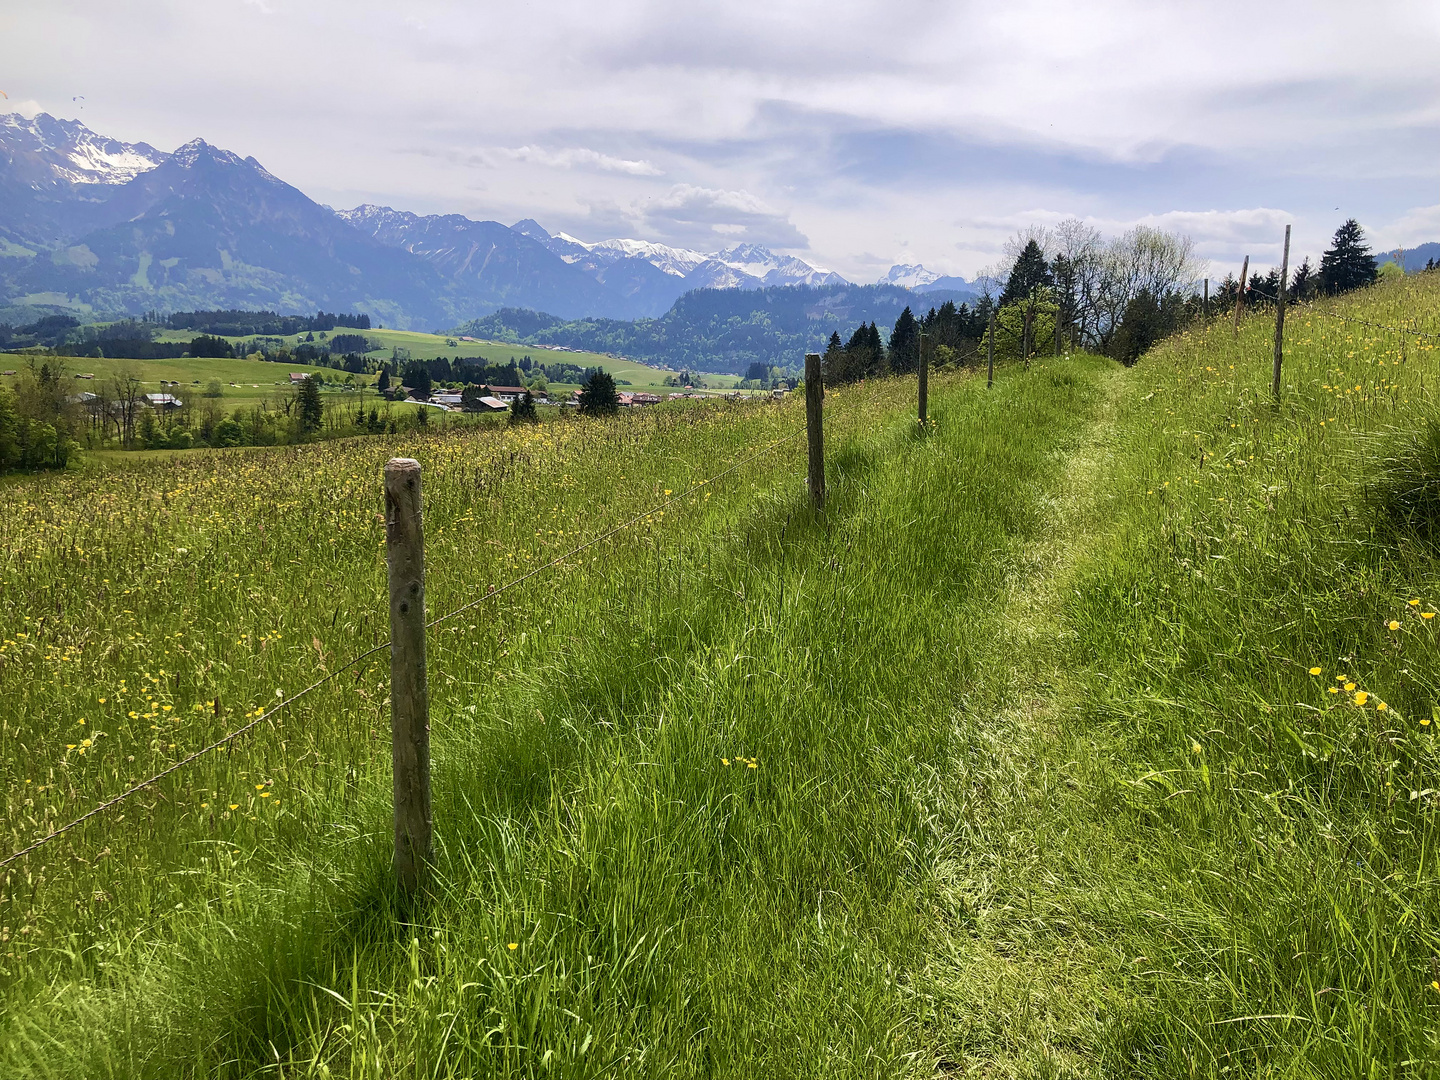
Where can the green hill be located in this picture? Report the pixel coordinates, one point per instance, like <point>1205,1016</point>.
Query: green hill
<point>1088,731</point>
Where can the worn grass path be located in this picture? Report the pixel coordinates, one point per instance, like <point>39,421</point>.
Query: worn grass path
<point>1019,987</point>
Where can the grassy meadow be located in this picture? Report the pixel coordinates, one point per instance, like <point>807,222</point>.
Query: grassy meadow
<point>1087,732</point>
<point>423,346</point>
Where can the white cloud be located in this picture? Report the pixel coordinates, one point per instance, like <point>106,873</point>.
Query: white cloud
<point>1117,110</point>
<point>26,107</point>
<point>571,157</point>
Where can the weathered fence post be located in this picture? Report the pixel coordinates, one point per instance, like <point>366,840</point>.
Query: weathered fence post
<point>924,374</point>
<point>1240,294</point>
<point>1027,337</point>
<point>409,693</point>
<point>1280,316</point>
<point>990,379</point>
<point>1205,304</point>
<point>814,429</point>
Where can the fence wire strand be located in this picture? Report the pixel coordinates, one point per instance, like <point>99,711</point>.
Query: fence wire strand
<point>489,595</point>
<point>1343,318</point>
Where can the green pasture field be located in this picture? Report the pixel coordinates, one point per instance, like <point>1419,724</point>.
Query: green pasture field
<point>1088,731</point>
<point>428,346</point>
<point>255,380</point>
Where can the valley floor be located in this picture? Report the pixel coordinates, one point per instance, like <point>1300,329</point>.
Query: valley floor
<point>1086,733</point>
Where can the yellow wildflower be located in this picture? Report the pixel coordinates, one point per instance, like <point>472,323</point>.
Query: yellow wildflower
<point>1314,671</point>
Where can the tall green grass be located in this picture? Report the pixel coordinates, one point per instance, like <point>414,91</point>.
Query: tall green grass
<point>1226,861</point>
<point>684,821</point>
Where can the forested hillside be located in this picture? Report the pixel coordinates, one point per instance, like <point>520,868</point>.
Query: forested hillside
<point>718,329</point>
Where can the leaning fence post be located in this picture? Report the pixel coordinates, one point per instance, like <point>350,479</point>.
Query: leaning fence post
<point>924,375</point>
<point>1240,294</point>
<point>1280,316</point>
<point>990,379</point>
<point>409,694</point>
<point>814,428</point>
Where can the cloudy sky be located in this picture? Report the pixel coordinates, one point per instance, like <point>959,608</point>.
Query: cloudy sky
<point>855,135</point>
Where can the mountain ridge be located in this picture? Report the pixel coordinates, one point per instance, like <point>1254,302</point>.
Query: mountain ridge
<point>93,224</point>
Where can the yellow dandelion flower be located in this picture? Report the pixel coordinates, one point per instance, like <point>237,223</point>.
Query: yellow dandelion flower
<point>1334,690</point>
<point>1314,671</point>
<point>1413,603</point>
<point>1427,614</point>
<point>752,765</point>
<point>513,946</point>
<point>234,806</point>
<point>1381,707</point>
<point>1349,686</point>
<point>264,794</point>
<point>1361,697</point>
<point>1393,624</point>
<point>724,761</point>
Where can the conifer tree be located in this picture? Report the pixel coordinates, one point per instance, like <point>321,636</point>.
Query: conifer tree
<point>1302,285</point>
<point>1030,271</point>
<point>1348,264</point>
<point>311,407</point>
<point>522,410</point>
<point>905,343</point>
<point>598,395</point>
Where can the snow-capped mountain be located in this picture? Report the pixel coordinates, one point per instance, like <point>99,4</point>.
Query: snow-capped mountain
<point>123,227</point>
<point>740,266</point>
<point>916,278</point>
<point>48,150</point>
<point>770,269</point>
<point>908,276</point>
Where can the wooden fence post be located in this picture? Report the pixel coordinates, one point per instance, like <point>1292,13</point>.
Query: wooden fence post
<point>1280,316</point>
<point>990,379</point>
<point>1240,294</point>
<point>925,343</point>
<point>409,692</point>
<point>814,429</point>
<point>1205,304</point>
<point>1027,337</point>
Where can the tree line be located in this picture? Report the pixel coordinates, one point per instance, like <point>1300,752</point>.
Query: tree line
<point>1070,287</point>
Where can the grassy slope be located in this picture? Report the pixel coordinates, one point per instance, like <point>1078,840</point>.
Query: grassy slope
<point>1187,856</point>
<point>673,910</point>
<point>1043,784</point>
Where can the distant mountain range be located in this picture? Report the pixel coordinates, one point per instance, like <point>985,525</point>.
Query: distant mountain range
<point>92,225</point>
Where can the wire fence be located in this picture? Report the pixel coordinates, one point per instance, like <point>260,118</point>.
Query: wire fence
<point>489,595</point>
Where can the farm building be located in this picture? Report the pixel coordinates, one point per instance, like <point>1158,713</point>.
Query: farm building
<point>163,402</point>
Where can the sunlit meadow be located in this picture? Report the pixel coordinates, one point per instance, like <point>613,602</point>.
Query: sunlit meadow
<point>1088,732</point>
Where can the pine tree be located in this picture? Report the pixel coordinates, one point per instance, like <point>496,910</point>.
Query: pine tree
<point>1302,285</point>
<point>1348,264</point>
<point>598,395</point>
<point>832,364</point>
<point>905,343</point>
<point>522,410</point>
<point>384,382</point>
<point>1030,271</point>
<point>311,407</point>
